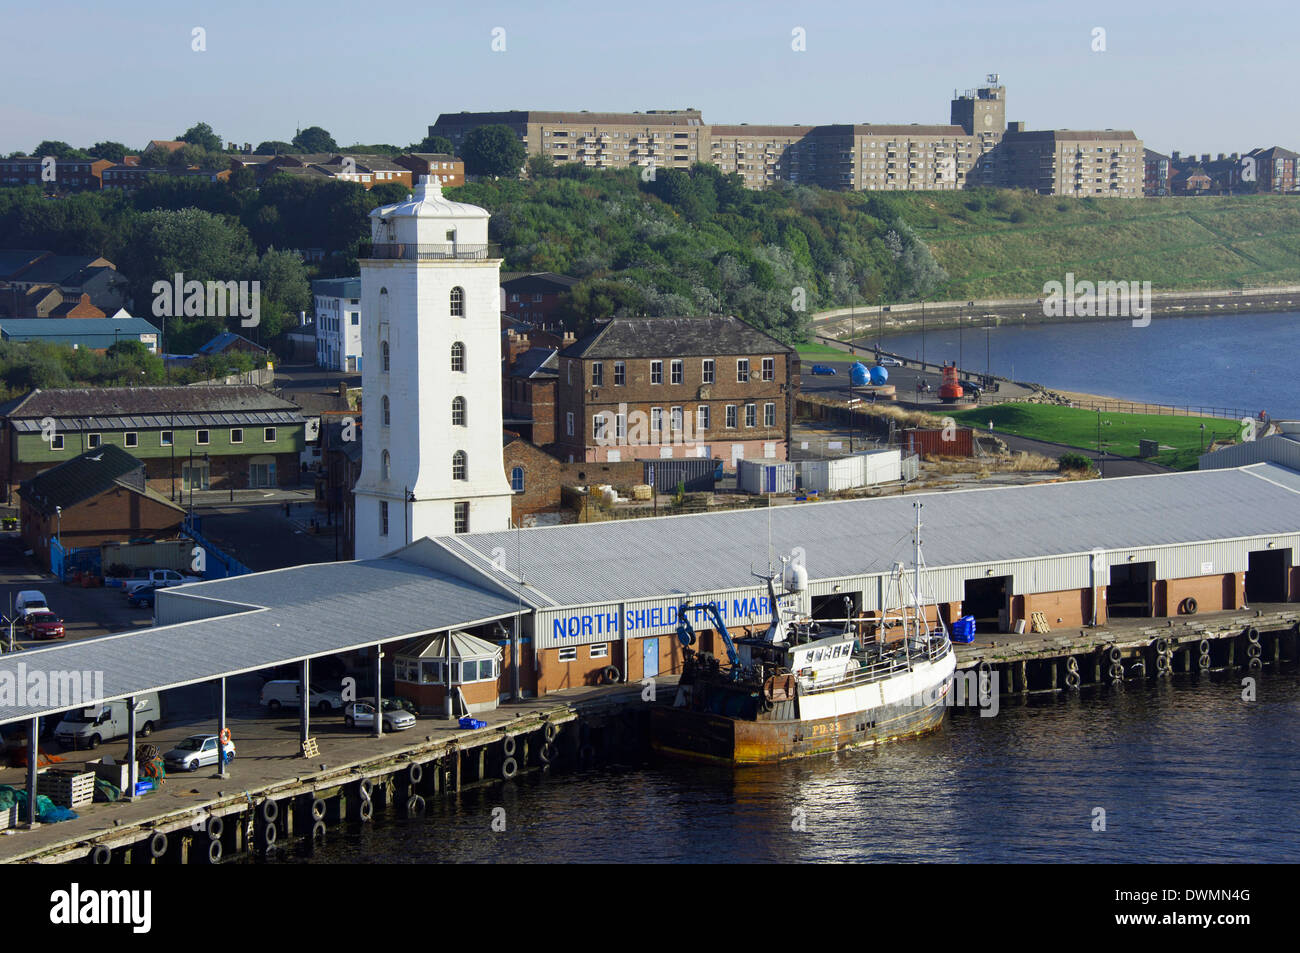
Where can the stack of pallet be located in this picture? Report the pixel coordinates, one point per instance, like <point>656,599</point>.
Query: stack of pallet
<point>67,788</point>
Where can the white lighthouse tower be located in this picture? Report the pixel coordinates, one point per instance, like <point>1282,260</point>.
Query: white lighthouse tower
<point>431,460</point>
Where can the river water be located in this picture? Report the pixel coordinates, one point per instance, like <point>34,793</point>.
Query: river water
<point>1243,361</point>
<point>1184,770</point>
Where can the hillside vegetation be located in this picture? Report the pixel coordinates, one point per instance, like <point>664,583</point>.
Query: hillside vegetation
<point>996,243</point>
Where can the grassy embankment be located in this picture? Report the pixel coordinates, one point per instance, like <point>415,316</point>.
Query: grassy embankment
<point>1180,438</point>
<point>1001,243</point>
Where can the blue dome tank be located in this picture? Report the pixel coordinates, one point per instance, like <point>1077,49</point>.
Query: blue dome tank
<point>859,376</point>
<point>879,375</point>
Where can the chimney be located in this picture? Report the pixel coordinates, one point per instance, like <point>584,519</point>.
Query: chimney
<point>1205,157</point>
<point>1221,157</point>
<point>1174,156</point>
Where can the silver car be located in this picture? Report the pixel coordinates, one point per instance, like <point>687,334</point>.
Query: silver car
<point>361,714</point>
<point>196,751</point>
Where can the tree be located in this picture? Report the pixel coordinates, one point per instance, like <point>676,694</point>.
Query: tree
<point>541,167</point>
<point>113,151</point>
<point>186,156</point>
<point>201,135</point>
<point>438,145</point>
<point>59,149</point>
<point>314,139</point>
<point>284,280</point>
<point>493,150</point>
<point>273,147</point>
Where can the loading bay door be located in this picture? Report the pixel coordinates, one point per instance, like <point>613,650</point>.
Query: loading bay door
<point>1130,592</point>
<point>989,601</point>
<point>1266,575</point>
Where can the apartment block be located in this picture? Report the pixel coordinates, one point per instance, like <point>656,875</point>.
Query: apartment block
<point>1071,162</point>
<point>63,175</point>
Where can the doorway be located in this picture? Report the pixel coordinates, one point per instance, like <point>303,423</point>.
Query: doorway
<point>1266,575</point>
<point>988,599</point>
<point>649,658</point>
<point>1130,591</point>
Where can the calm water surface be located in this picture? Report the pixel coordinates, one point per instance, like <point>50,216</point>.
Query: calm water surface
<point>1186,771</point>
<point>1243,361</point>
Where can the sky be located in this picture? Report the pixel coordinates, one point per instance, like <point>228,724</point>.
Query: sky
<point>1194,76</point>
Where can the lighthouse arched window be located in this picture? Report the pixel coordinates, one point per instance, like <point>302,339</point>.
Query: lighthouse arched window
<point>458,356</point>
<point>458,412</point>
<point>459,465</point>
<point>387,416</point>
<point>383,354</point>
<point>458,302</point>
<point>385,465</point>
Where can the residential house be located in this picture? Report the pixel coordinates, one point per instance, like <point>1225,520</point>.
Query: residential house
<point>534,296</point>
<point>535,480</point>
<point>338,323</point>
<point>449,170</point>
<point>61,175</point>
<point>72,275</point>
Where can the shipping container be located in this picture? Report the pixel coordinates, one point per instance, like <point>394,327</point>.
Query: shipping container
<point>175,554</point>
<point>847,473</point>
<point>757,477</point>
<point>700,475</point>
<point>946,442</point>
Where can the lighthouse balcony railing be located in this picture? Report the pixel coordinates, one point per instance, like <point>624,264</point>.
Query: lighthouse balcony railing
<point>410,251</point>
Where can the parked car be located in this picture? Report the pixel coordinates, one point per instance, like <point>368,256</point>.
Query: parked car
<point>361,714</point>
<point>889,362</point>
<point>823,369</point>
<point>971,389</point>
<point>281,693</point>
<point>88,727</point>
<point>327,669</point>
<point>30,600</point>
<point>43,624</point>
<point>142,598</point>
<point>196,751</point>
<point>158,579</point>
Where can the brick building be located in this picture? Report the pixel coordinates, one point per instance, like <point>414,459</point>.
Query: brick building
<point>63,175</point>
<point>534,296</point>
<point>203,437</point>
<point>1109,163</point>
<point>449,170</point>
<point>77,278</point>
<point>528,397</point>
<point>535,479</point>
<point>658,388</point>
<point>97,497</point>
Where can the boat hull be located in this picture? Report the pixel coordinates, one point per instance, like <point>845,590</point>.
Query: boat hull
<point>702,736</point>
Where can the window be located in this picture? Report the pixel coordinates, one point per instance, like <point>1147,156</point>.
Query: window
<point>675,418</point>
<point>131,440</point>
<point>517,479</point>
<point>600,650</point>
<point>620,373</point>
<point>458,465</point>
<point>458,302</point>
<point>568,654</point>
<point>385,466</point>
<point>383,356</point>
<point>356,320</point>
<point>731,416</point>
<point>769,415</point>
<point>598,425</point>
<point>202,437</point>
<point>92,440</point>
<point>385,412</point>
<point>675,369</point>
<point>458,411</point>
<point>164,438</point>
<point>702,417</point>
<point>568,423</point>
<point>656,372</point>
<point>268,434</point>
<point>383,518</point>
<point>458,357</point>
<point>706,371</point>
<point>656,420</point>
<point>56,441</point>
<point>597,374</point>
<point>742,370</point>
<point>769,368</point>
<point>461,521</point>
<point>620,426</point>
<point>236,434</point>
<point>751,415</point>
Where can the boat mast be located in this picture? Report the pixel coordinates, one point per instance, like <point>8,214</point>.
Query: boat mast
<point>918,609</point>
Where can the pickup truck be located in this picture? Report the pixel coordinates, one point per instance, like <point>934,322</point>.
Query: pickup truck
<point>157,578</point>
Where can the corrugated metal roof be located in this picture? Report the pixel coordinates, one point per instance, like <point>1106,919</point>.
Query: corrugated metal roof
<point>161,422</point>
<point>290,614</point>
<point>632,559</point>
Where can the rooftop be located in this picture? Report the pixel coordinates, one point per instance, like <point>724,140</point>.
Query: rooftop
<point>684,337</point>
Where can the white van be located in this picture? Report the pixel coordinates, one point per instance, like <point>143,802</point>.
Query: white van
<point>283,693</point>
<point>90,726</point>
<point>30,600</point>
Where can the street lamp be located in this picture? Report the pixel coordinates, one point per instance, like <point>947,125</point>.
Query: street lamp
<point>191,468</point>
<point>1101,447</point>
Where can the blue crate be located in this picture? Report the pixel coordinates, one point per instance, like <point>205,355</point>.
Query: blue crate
<point>468,722</point>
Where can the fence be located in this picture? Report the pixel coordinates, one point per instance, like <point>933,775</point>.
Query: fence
<point>1172,410</point>
<point>218,565</point>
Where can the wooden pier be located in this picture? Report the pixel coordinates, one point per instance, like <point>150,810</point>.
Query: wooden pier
<point>1127,649</point>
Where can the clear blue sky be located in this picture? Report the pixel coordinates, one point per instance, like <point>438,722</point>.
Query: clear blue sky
<point>1197,76</point>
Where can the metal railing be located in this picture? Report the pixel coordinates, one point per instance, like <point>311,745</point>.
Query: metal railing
<point>411,251</point>
<point>934,648</point>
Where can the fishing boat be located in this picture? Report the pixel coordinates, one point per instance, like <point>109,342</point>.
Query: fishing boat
<point>805,687</point>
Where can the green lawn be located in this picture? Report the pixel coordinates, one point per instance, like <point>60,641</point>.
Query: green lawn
<point>1179,437</point>
<point>817,350</point>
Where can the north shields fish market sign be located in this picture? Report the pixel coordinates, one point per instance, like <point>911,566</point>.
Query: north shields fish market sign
<point>600,623</point>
